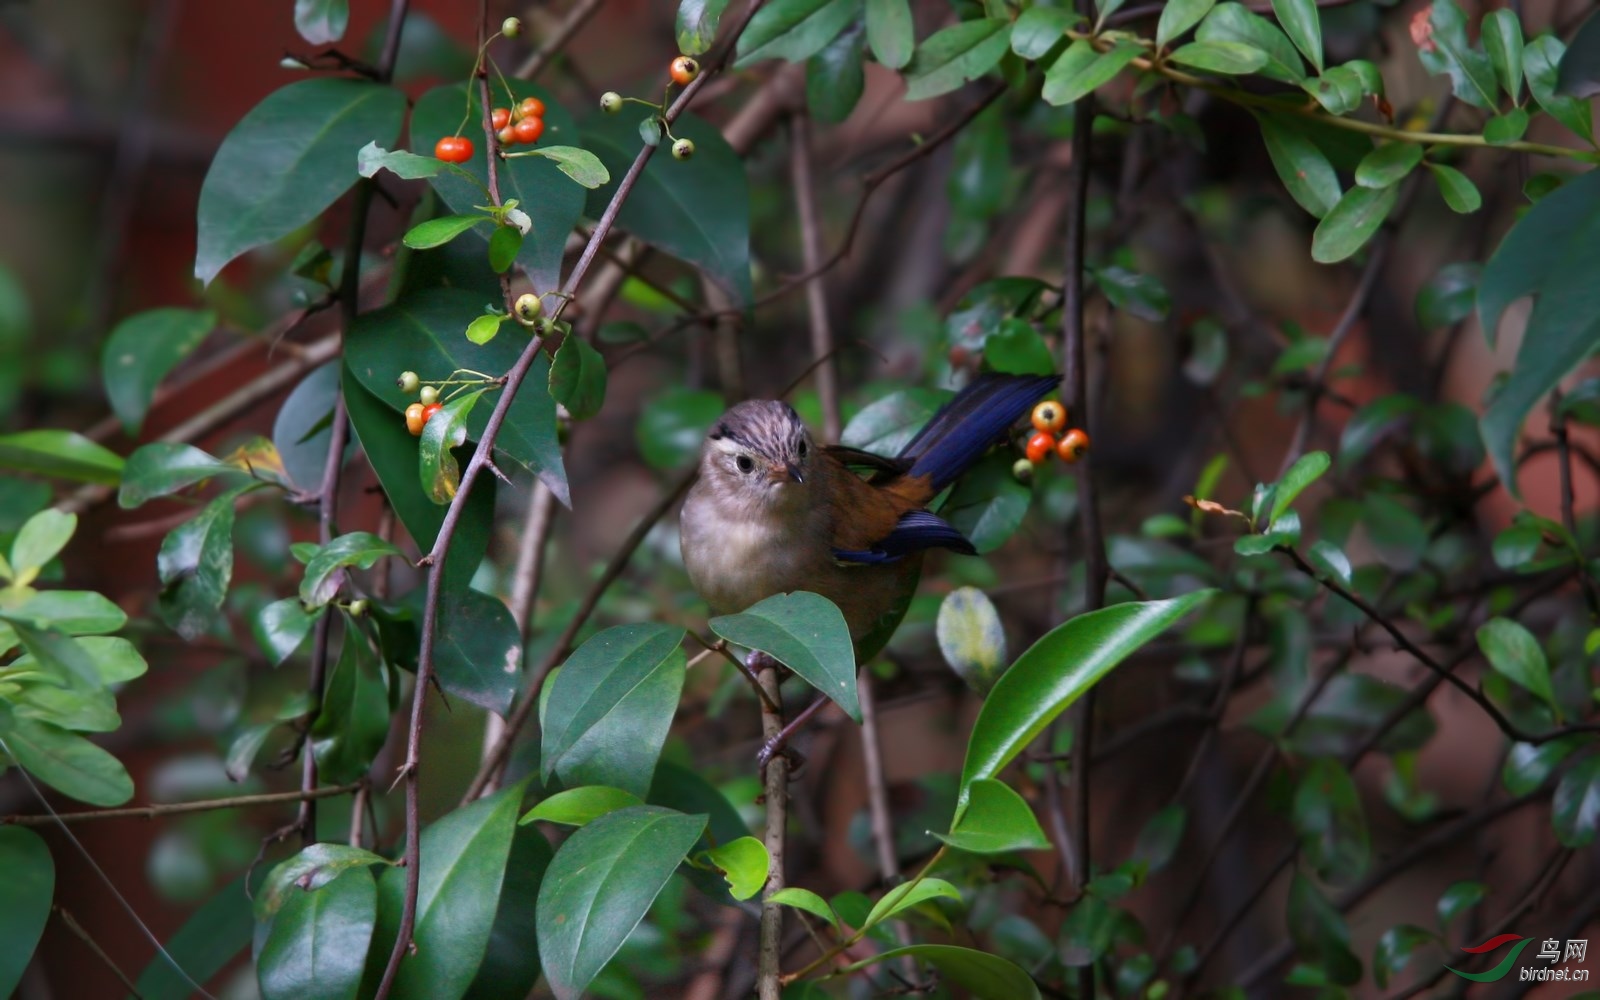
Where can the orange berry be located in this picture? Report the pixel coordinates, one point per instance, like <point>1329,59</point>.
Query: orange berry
<point>529,129</point>
<point>453,149</point>
<point>1040,446</point>
<point>429,410</point>
<point>507,136</point>
<point>1074,445</point>
<point>683,70</point>
<point>500,117</point>
<point>414,419</point>
<point>1049,416</point>
<point>531,107</point>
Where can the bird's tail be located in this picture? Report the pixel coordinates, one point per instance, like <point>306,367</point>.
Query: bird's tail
<point>967,426</point>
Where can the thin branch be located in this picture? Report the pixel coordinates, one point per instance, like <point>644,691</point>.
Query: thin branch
<point>557,40</point>
<point>176,808</point>
<point>83,935</point>
<point>805,198</point>
<point>776,777</point>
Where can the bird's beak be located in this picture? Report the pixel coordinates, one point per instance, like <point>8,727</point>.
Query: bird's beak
<point>794,472</point>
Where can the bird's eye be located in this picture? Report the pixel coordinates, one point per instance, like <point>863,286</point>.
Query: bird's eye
<point>802,449</point>
<point>744,463</point>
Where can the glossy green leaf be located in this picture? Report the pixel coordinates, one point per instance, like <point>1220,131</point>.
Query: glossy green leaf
<point>142,350</point>
<point>995,820</point>
<point>1233,22</point>
<point>1449,296</point>
<point>325,571</point>
<point>1159,839</point>
<point>806,633</point>
<point>1307,469</point>
<point>353,722</point>
<point>1513,651</point>
<point>1541,61</point>
<point>984,976</point>
<point>578,378</point>
<point>1081,70</point>
<point>836,76</point>
<point>907,895</point>
<point>988,505</point>
<point>438,232</point>
<point>1502,130</point>
<point>577,806</point>
<point>478,654</point>
<point>687,791</point>
<point>1017,348</point>
<point>1459,192</point>
<point>1319,933</point>
<point>1330,822</point>
<point>794,30</point>
<point>510,968</point>
<point>485,328</point>
<point>40,539</point>
<point>1300,21</point>
<point>286,161</point>
<point>76,612</point>
<point>697,24</point>
<point>321,22</point>
<point>744,864</point>
<point>1472,77</point>
<point>403,164</point>
<point>392,453</point>
<point>1037,30</point>
<point>464,855</point>
<point>1229,58</point>
<point>1351,223</point>
<point>163,468</point>
<point>887,425</point>
<point>1339,90</point>
<point>971,638</point>
<point>316,948</point>
<point>314,867</point>
<point>63,454</point>
<point>1502,38</point>
<point>674,424</point>
<point>810,902</point>
<point>1529,765</point>
<point>425,330</point>
<point>1303,168</point>
<point>1580,66</point>
<point>577,163</point>
<point>1388,164</point>
<point>210,939</point>
<point>1575,809</point>
<point>25,897</point>
<point>444,432</point>
<point>1178,17</point>
<point>552,201</point>
<point>611,706</point>
<point>504,243</point>
<point>1056,671</point>
<point>1143,295</point>
<point>1395,950</point>
<point>952,56</point>
<point>1458,899</point>
<point>1330,561</point>
<point>889,32</point>
<point>65,761</point>
<point>303,427</point>
<point>698,213</point>
<point>195,565</point>
<point>599,886</point>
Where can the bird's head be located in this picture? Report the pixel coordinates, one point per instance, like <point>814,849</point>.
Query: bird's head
<point>760,454</point>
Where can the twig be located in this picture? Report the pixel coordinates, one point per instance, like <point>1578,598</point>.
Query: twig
<point>558,39</point>
<point>805,199</point>
<point>1569,518</point>
<point>94,946</point>
<point>776,803</point>
<point>175,808</point>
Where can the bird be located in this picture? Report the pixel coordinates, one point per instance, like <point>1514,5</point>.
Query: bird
<point>771,512</point>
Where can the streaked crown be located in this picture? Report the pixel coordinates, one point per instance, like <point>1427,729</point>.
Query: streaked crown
<point>769,428</point>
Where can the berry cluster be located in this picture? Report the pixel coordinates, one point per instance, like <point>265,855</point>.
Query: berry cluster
<point>419,413</point>
<point>522,124</point>
<point>682,71</point>
<point>1049,420</point>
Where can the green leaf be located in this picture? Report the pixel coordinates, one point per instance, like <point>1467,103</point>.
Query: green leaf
<point>1330,822</point>
<point>1017,348</point>
<point>988,505</point>
<point>353,722</point>
<point>425,330</point>
<point>577,806</point>
<point>836,76</point>
<point>794,30</point>
<point>744,863</point>
<point>303,428</point>
<point>1055,672</point>
<point>971,638</point>
<point>611,706</point>
<point>577,163</point>
<point>1319,933</point>
<point>1037,30</point>
<point>1330,561</point>
<point>1472,77</point>
<point>1513,651</point>
<point>889,32</point>
<point>984,976</point>
<point>76,612</point>
<point>325,571</point>
<point>1529,765</point>
<point>142,350</point>
<point>1575,809</point>
<point>1177,17</point>
<point>806,633</point>
<point>1388,164</point>
<point>673,425</point>
<point>1502,37</point>
<point>1300,22</point>
<point>954,55</point>
<point>907,895</point>
<point>479,649</point>
<point>408,166</point>
<point>464,856</point>
<point>1230,58</point>
<point>1395,950</point>
<point>1081,70</point>
<point>1580,67</point>
<point>1159,839</point>
<point>697,24</point>
<point>887,425</point>
<point>25,897</point>
<point>1303,168</point>
<point>552,201</point>
<point>314,867</point>
<point>600,885</point>
<point>321,22</point>
<point>1459,192</point>
<point>1339,90</point>
<point>805,899</point>
<point>504,243</point>
<point>40,539</point>
<point>995,820</point>
<point>1544,255</point>
<point>63,454</point>
<point>686,791</point>
<point>286,161</point>
<point>1502,130</point>
<point>1305,471</point>
<point>65,761</point>
<point>1541,61</point>
<point>316,948</point>
<point>698,213</point>
<point>164,468</point>
<point>1233,22</point>
<point>578,378</point>
<point>441,435</point>
<point>1143,295</point>
<point>1448,298</point>
<point>209,940</point>
<point>438,232</point>
<point>485,328</point>
<point>1351,223</point>
<point>511,966</point>
<point>195,565</point>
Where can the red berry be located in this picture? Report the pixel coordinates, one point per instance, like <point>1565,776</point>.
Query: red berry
<point>1073,446</point>
<point>1040,446</point>
<point>529,130</point>
<point>683,70</point>
<point>501,117</point>
<point>453,149</point>
<point>1049,416</point>
<point>414,419</point>
<point>507,136</point>
<point>531,107</point>
<point>429,410</point>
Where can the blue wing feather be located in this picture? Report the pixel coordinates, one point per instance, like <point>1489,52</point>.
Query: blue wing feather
<point>916,530</point>
<point>967,426</point>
